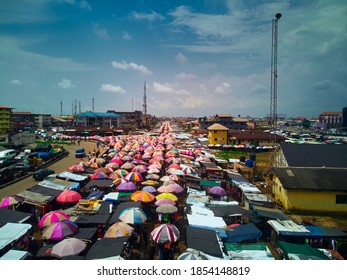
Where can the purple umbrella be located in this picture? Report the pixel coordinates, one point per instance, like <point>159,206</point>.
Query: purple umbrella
<point>217,191</point>
<point>149,189</point>
<point>127,187</point>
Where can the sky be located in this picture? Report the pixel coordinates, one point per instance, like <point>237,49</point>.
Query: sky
<point>197,58</point>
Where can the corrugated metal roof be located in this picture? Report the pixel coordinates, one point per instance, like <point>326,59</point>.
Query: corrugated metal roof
<point>308,155</point>
<point>97,114</point>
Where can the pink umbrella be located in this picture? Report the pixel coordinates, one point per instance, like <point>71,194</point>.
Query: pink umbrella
<point>69,196</point>
<point>164,201</point>
<point>52,217</point>
<point>10,200</point>
<point>59,230</point>
<point>177,188</point>
<point>166,189</point>
<point>98,176</point>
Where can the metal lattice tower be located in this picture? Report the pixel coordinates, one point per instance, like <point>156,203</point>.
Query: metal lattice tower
<point>144,101</point>
<point>273,91</point>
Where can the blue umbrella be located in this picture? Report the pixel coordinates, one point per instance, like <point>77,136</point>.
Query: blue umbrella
<point>133,215</point>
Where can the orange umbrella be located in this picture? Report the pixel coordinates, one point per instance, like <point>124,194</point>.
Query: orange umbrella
<point>142,196</point>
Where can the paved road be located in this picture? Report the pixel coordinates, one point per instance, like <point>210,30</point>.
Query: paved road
<point>58,167</point>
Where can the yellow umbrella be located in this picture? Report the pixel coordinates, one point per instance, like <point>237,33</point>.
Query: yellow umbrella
<point>119,229</point>
<point>150,183</point>
<point>142,196</point>
<point>167,195</point>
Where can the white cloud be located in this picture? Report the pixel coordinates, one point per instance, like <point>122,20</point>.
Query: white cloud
<point>185,77</point>
<point>100,32</point>
<point>15,82</point>
<point>153,16</point>
<point>181,58</point>
<point>223,88</point>
<point>66,84</point>
<point>126,36</point>
<point>81,4</point>
<point>112,88</point>
<point>125,66</point>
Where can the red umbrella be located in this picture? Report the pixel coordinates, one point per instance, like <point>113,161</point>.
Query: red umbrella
<point>69,196</point>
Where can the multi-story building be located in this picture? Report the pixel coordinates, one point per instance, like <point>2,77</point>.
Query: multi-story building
<point>5,119</point>
<point>225,120</point>
<point>28,119</point>
<point>331,119</point>
<point>93,119</point>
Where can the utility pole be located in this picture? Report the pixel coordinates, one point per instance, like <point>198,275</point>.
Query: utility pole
<point>273,91</point>
<point>144,100</point>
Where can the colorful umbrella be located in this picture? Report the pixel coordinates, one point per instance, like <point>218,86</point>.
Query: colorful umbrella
<point>98,176</point>
<point>140,169</point>
<point>166,208</point>
<point>68,196</point>
<point>192,255</point>
<point>134,177</point>
<point>112,165</point>
<point>176,187</point>
<point>119,181</point>
<point>164,233</point>
<point>76,168</point>
<point>52,217</point>
<point>133,215</point>
<point>10,200</point>
<point>68,247</point>
<point>217,191</point>
<point>142,196</point>
<point>106,170</point>
<point>164,201</point>
<point>59,230</point>
<point>167,195</point>
<point>128,166</point>
<point>119,229</point>
<point>126,187</point>
<point>122,172</point>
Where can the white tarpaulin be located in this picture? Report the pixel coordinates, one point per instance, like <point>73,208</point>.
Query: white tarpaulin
<point>11,232</point>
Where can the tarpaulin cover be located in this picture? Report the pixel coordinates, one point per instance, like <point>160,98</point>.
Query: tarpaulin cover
<point>242,233</point>
<point>13,216</point>
<point>301,250</point>
<point>107,247</point>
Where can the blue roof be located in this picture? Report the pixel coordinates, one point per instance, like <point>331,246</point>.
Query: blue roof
<point>97,114</point>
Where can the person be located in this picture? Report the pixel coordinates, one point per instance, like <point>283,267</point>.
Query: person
<point>89,155</point>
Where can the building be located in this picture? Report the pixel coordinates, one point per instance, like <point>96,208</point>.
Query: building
<point>5,119</point>
<point>311,178</point>
<point>254,138</point>
<point>93,119</point>
<point>218,134</point>
<point>27,119</point>
<point>225,120</point>
<point>331,119</point>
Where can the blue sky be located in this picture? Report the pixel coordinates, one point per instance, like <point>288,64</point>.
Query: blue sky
<point>198,58</point>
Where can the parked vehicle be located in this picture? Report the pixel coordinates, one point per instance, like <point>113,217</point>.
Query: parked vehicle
<point>7,155</point>
<point>41,174</point>
<point>80,153</point>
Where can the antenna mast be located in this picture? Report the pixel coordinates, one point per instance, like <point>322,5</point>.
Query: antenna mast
<point>144,100</point>
<point>273,91</point>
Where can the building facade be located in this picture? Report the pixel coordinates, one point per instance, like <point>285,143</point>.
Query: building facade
<point>218,134</point>
<point>331,119</point>
<point>5,119</point>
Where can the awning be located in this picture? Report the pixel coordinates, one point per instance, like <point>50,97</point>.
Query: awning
<point>243,232</point>
<point>11,232</point>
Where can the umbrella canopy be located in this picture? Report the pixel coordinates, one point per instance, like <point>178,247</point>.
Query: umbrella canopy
<point>119,229</point>
<point>134,177</point>
<point>166,189</point>
<point>152,177</point>
<point>122,172</point>
<point>166,208</point>
<point>149,189</point>
<point>59,230</point>
<point>126,187</point>
<point>76,168</point>
<point>167,195</point>
<point>164,201</point>
<point>142,196</point>
<point>177,188</point>
<point>52,217</point>
<point>150,183</point>
<point>128,166</point>
<point>164,233</point>
<point>69,196</point>
<point>10,200</point>
<point>106,170</point>
<point>112,165</point>
<point>119,181</point>
<point>68,247</point>
<point>217,191</point>
<point>133,215</point>
<point>192,255</point>
<point>98,176</point>
<point>140,169</point>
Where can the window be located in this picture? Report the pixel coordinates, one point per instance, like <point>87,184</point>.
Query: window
<point>341,199</point>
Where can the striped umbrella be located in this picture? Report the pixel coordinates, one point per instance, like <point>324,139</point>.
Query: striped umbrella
<point>134,177</point>
<point>119,229</point>
<point>10,200</point>
<point>192,255</point>
<point>52,217</point>
<point>133,215</point>
<point>165,233</point>
<point>59,230</point>
<point>98,176</point>
<point>122,172</point>
<point>142,196</point>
